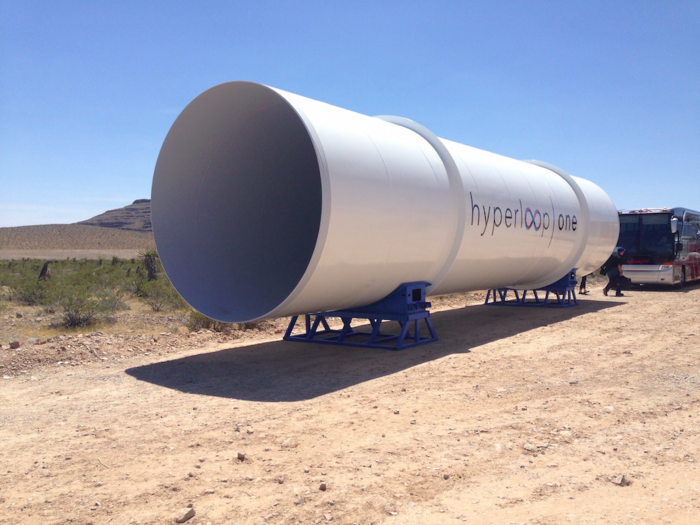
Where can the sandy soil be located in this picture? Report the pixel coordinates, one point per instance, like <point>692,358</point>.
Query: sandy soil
<point>513,416</point>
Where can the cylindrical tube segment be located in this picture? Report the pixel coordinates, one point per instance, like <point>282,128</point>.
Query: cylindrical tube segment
<point>266,203</point>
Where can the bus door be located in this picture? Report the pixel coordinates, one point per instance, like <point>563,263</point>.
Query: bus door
<point>690,239</point>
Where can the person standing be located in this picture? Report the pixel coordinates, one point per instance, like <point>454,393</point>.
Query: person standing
<point>614,271</point>
<point>582,289</point>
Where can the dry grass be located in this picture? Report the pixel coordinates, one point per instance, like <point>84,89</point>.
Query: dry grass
<point>43,322</point>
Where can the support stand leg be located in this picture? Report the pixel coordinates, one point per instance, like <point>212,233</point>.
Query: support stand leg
<point>406,306</point>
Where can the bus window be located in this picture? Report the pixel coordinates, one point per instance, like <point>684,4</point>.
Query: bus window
<point>692,224</point>
<point>655,234</point>
<point>688,231</point>
<point>629,227</point>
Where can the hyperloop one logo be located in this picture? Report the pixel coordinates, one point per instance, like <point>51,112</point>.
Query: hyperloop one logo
<point>517,217</point>
<point>533,219</point>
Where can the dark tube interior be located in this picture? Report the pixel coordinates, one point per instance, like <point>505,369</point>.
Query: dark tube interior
<point>236,201</point>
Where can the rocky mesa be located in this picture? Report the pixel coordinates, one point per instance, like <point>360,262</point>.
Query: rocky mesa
<point>135,217</point>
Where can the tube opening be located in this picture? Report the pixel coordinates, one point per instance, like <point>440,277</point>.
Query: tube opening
<point>236,204</point>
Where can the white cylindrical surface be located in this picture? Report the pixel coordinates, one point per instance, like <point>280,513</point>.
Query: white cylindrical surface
<point>266,203</point>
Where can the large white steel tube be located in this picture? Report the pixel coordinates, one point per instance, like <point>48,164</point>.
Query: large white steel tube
<point>266,203</point>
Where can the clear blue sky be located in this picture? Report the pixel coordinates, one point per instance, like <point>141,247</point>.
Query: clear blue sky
<point>609,91</point>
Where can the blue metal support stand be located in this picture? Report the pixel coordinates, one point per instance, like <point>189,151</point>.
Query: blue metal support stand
<point>406,305</point>
<point>564,290</point>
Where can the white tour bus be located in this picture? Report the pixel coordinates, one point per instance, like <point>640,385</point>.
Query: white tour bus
<point>662,245</point>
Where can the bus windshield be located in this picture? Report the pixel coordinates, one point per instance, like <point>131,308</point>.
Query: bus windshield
<point>629,230</point>
<point>655,234</point>
<point>646,234</point>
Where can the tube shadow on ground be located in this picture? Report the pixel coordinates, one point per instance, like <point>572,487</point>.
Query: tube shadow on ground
<point>295,371</point>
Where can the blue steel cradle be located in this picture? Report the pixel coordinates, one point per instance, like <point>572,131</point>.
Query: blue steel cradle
<point>406,305</point>
<point>564,292</point>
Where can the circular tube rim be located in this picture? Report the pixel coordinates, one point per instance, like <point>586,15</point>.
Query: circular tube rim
<point>238,202</point>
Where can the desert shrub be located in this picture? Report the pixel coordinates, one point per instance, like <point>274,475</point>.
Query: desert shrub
<point>112,299</point>
<point>138,285</point>
<point>197,321</point>
<point>28,289</point>
<point>109,286</point>
<point>76,285</point>
<point>78,304</point>
<point>176,301</point>
<point>249,325</point>
<point>155,295</point>
<point>84,291</point>
<point>160,294</point>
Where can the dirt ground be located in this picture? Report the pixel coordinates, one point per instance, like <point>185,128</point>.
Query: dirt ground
<point>514,416</point>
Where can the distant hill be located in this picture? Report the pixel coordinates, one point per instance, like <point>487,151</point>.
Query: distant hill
<point>134,217</point>
<point>122,232</point>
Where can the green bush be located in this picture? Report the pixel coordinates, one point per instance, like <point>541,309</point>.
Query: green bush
<point>89,287</point>
<point>78,305</point>
<point>160,294</point>
<point>28,289</point>
<point>138,285</point>
<point>112,299</point>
